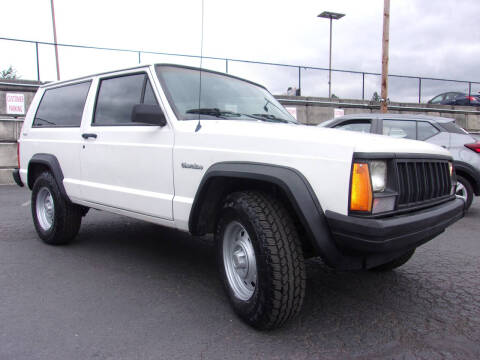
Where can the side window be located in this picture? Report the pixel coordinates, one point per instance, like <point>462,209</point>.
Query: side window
<point>117,97</point>
<point>356,125</point>
<point>451,96</point>
<point>437,99</point>
<point>425,130</point>
<point>400,129</point>
<point>62,106</point>
<point>149,97</point>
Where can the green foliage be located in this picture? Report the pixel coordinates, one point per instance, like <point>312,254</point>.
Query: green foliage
<point>10,73</point>
<point>375,97</point>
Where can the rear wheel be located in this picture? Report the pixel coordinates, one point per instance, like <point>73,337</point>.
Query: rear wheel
<point>464,190</point>
<point>56,220</point>
<point>260,259</point>
<point>394,263</point>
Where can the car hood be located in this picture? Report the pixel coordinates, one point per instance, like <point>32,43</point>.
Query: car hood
<point>293,138</point>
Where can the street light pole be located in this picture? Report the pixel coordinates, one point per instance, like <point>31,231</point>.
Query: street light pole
<point>332,16</point>
<point>55,39</point>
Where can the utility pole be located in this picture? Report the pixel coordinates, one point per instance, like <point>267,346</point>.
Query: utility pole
<point>385,42</point>
<point>55,39</point>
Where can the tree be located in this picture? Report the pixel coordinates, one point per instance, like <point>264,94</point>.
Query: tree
<point>10,73</point>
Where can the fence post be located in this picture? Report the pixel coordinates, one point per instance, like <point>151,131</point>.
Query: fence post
<point>419,90</point>
<point>38,64</point>
<point>363,86</point>
<point>299,81</point>
<point>226,66</point>
<point>139,57</point>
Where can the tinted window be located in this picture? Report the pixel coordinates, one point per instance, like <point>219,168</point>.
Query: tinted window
<point>400,129</point>
<point>451,127</point>
<point>357,125</point>
<point>62,106</point>
<point>452,96</point>
<point>117,96</point>
<point>425,130</point>
<point>437,99</point>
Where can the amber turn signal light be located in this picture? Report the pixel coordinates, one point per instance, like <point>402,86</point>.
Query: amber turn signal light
<point>361,190</point>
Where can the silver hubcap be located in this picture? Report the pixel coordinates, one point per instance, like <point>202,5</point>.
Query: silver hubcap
<point>45,208</point>
<point>461,191</point>
<point>239,261</point>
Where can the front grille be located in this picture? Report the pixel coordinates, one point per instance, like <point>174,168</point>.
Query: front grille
<point>421,181</point>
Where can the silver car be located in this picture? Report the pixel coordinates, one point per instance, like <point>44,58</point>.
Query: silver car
<point>464,148</point>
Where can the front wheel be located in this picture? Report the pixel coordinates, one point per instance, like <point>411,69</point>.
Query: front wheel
<point>260,259</point>
<point>464,190</point>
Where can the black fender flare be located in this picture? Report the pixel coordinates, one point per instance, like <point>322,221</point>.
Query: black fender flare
<point>298,191</point>
<point>473,174</point>
<point>51,162</point>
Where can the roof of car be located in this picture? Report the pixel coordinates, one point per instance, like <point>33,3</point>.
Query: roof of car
<point>395,117</point>
<point>142,66</point>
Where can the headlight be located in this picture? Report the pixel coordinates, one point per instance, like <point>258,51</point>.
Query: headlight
<point>378,174</point>
<point>368,187</point>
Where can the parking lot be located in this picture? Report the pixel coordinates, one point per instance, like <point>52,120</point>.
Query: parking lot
<point>132,290</point>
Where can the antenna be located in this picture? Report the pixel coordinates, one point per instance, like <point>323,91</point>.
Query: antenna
<point>199,125</point>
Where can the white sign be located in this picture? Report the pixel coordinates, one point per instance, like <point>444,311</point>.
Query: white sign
<point>292,110</point>
<point>15,104</point>
<point>338,112</point>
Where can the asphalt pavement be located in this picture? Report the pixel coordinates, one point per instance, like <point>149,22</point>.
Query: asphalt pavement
<point>126,289</point>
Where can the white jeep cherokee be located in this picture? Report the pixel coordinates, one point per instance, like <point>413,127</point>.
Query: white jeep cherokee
<point>206,152</point>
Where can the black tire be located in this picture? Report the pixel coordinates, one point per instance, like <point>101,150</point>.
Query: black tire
<point>468,191</point>
<point>394,263</point>
<point>280,281</point>
<point>66,216</point>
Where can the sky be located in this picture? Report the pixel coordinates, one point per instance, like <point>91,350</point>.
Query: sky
<point>438,39</point>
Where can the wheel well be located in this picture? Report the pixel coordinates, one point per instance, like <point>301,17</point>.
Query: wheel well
<point>216,189</point>
<point>471,180</point>
<point>34,171</point>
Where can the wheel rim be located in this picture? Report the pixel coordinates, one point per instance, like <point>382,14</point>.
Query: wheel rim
<point>461,191</point>
<point>45,208</point>
<point>239,261</point>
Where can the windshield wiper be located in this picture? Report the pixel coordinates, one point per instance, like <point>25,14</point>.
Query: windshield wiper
<point>272,118</point>
<point>222,114</point>
<point>213,112</point>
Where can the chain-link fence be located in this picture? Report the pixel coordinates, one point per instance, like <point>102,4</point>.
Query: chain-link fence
<point>36,59</point>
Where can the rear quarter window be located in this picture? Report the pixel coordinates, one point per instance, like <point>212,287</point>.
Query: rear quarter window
<point>425,130</point>
<point>453,128</point>
<point>62,106</point>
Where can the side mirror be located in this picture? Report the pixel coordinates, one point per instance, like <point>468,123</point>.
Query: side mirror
<point>148,114</point>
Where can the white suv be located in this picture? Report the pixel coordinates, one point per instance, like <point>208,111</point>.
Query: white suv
<point>205,152</point>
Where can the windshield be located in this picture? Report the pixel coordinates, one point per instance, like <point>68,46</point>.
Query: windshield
<point>222,97</point>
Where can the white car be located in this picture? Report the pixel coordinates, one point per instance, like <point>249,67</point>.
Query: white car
<point>205,152</point>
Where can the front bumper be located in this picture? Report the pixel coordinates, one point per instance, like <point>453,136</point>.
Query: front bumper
<point>393,234</point>
<point>16,177</point>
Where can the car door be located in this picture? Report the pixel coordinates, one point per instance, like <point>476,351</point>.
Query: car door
<point>127,166</point>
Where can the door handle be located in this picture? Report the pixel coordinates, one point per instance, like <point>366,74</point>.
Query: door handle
<point>89,135</point>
